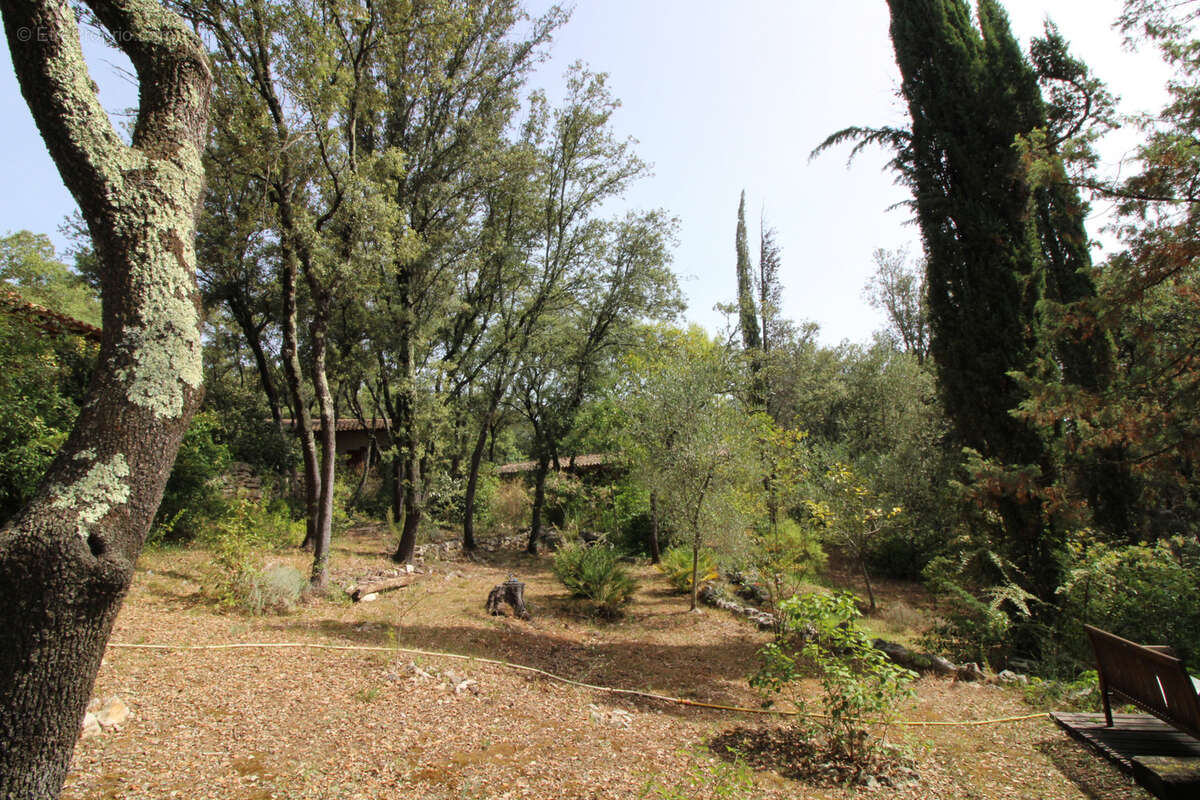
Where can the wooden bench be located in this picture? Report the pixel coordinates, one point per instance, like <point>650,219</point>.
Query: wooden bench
<point>1149,677</point>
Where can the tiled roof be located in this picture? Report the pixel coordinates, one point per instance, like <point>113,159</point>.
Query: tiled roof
<point>44,318</point>
<point>587,461</point>
<point>346,424</point>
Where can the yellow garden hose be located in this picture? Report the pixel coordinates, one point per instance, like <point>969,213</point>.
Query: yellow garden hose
<point>522,667</point>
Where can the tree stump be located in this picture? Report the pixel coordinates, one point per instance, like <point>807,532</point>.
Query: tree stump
<point>512,591</point>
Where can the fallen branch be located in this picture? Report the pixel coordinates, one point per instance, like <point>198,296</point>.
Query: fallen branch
<point>918,662</point>
<point>358,593</point>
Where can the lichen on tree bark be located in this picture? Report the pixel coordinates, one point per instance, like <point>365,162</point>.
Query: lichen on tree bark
<point>67,558</point>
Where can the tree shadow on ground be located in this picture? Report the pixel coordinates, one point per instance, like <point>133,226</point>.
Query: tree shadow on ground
<point>170,593</point>
<point>1091,774</point>
<point>693,671</point>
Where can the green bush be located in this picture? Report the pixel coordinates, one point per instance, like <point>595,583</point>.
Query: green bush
<point>987,616</point>
<point>625,517</point>
<point>904,551</point>
<point>446,497</point>
<point>252,438</point>
<point>272,590</point>
<point>1144,592</point>
<point>676,564</point>
<point>569,501</point>
<point>786,557</point>
<point>596,574</point>
<point>1081,694</point>
<point>42,380</point>
<point>190,499</point>
<point>859,684</point>
<point>486,486</point>
<point>633,535</point>
<point>240,577</point>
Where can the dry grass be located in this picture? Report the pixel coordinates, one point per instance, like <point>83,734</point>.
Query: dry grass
<point>275,723</point>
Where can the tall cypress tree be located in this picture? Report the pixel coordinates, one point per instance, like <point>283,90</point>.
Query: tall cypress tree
<point>971,206</point>
<point>769,290</point>
<point>747,314</point>
<point>998,250</point>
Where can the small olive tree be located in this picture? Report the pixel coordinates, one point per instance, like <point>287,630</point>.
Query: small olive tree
<point>784,552</point>
<point>854,518</point>
<point>691,441</point>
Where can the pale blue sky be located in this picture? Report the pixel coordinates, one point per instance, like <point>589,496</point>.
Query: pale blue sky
<point>722,97</point>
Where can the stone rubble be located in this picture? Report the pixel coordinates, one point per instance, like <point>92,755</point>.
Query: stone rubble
<point>614,717</point>
<point>103,715</point>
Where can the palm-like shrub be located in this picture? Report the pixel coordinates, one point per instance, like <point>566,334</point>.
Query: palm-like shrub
<point>595,574</point>
<point>676,564</point>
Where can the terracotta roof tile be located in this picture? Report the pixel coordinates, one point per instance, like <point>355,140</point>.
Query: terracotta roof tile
<point>47,319</point>
<point>586,461</point>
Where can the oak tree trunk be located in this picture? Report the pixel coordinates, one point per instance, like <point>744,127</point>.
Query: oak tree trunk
<point>469,542</point>
<point>539,501</point>
<point>302,422</point>
<point>67,558</point>
<point>323,532</point>
<point>405,423</point>
<point>655,552</point>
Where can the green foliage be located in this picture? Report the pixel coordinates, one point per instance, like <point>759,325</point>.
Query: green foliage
<point>634,534</point>
<point>251,436</point>
<point>617,511</point>
<point>595,574</point>
<point>787,555</point>
<point>240,577</point>
<point>860,685</point>
<point>446,497</point>
<point>1079,694</point>
<point>785,548</point>
<point>625,516</point>
<point>262,526</point>
<point>42,380</point>
<point>1138,434</point>
<point>716,780</point>
<point>876,410</point>
<point>571,502</point>
<point>274,589</point>
<point>624,279</point>
<point>747,312</point>
<point>486,486</point>
<point>676,564</point>
<point>43,376</point>
<point>988,615</point>
<point>691,441</point>
<point>191,499</point>
<point>898,289</point>
<point>1146,593</point>
<point>971,93</point>
<point>29,266</point>
<point>853,517</point>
